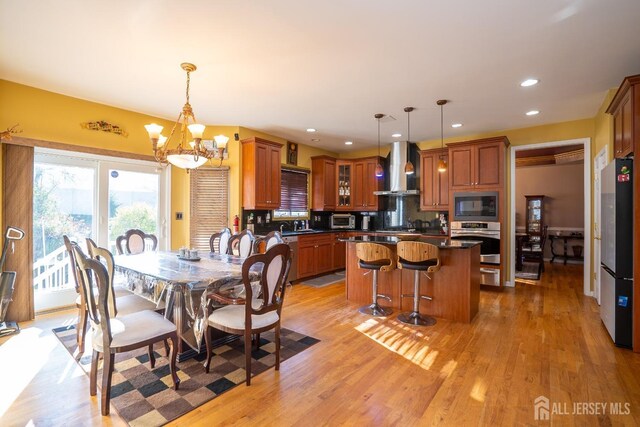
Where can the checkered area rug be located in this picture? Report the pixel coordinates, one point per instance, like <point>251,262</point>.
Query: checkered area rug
<point>145,397</point>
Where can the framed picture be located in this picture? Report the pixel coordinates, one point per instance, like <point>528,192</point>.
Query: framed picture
<point>292,153</point>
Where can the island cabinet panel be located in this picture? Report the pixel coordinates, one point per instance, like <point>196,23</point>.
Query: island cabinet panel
<point>323,183</point>
<point>454,289</point>
<point>434,193</point>
<point>477,164</point>
<point>261,174</point>
<point>450,302</point>
<point>339,251</point>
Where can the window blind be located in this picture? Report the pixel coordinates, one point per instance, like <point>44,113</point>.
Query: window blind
<point>293,194</point>
<point>209,204</point>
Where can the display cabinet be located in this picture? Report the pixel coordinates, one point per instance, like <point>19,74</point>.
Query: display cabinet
<point>535,219</point>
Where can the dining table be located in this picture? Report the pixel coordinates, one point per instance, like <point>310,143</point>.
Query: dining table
<point>182,286</point>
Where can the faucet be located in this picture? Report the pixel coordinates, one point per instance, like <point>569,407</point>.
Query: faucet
<point>282,226</point>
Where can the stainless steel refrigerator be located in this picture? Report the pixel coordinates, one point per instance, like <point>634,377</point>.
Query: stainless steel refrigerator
<point>616,261</point>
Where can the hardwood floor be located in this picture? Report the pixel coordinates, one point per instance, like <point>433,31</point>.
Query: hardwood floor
<point>540,338</point>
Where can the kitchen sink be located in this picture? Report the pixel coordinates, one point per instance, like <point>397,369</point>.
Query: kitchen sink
<point>308,230</point>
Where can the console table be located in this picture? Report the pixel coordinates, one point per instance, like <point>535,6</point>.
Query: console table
<point>565,238</point>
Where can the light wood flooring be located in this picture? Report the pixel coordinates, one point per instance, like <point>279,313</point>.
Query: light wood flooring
<point>540,338</point>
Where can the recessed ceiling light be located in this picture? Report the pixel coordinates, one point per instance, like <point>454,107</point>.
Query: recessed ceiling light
<point>529,82</point>
<point>311,130</point>
<point>348,143</point>
<point>533,112</point>
<point>315,139</point>
<point>396,135</point>
<point>456,125</point>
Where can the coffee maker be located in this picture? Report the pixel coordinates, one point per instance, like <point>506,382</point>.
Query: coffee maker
<point>365,222</point>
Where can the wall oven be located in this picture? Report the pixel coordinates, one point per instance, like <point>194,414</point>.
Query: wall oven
<point>488,233</point>
<point>475,206</point>
<point>343,221</point>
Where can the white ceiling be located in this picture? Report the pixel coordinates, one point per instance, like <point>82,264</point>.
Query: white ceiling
<point>282,66</point>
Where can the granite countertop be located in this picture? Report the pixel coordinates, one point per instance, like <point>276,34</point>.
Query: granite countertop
<point>393,232</point>
<point>393,240</point>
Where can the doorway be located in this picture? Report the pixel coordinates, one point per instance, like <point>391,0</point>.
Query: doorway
<point>586,144</point>
<point>89,196</point>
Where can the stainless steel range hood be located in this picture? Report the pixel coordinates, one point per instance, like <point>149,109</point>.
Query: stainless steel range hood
<point>397,183</point>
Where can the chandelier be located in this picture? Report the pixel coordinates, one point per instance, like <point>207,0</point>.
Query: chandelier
<point>185,155</point>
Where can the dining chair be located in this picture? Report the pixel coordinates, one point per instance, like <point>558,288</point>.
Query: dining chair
<point>255,315</point>
<point>241,244</point>
<point>134,242</point>
<point>270,240</point>
<point>219,242</point>
<point>121,301</point>
<point>111,335</point>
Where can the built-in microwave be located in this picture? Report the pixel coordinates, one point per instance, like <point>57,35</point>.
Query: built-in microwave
<point>475,206</point>
<point>343,221</point>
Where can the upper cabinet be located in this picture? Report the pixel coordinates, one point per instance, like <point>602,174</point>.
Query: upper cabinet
<point>434,193</point>
<point>477,164</point>
<point>344,179</point>
<point>351,186</point>
<point>365,183</point>
<point>323,183</point>
<point>261,177</point>
<point>625,108</point>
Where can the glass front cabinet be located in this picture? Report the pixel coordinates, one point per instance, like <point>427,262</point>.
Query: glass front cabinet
<point>535,219</point>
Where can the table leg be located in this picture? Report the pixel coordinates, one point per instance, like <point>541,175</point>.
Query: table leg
<point>553,254</point>
<point>178,317</point>
<point>566,254</point>
<point>519,255</point>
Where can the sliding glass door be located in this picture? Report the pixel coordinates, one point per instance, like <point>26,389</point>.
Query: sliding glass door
<point>94,197</point>
<point>133,201</point>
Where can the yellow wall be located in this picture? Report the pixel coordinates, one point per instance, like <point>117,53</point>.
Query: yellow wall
<point>49,116</point>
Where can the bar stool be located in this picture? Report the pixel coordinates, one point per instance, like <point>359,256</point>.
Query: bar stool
<point>417,256</point>
<point>375,257</point>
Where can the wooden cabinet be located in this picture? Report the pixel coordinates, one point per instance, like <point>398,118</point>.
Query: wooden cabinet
<point>260,173</point>
<point>339,251</point>
<point>344,178</point>
<point>434,193</point>
<point>535,219</point>
<point>625,108</point>
<point>366,182</point>
<point>323,183</point>
<point>351,187</point>
<point>477,164</point>
<point>315,254</point>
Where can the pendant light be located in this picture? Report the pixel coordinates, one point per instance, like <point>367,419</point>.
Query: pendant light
<point>442,165</point>
<point>379,170</point>
<point>408,167</point>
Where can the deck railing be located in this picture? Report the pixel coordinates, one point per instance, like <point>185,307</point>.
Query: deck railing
<point>52,271</point>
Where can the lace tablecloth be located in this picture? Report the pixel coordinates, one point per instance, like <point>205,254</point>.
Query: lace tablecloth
<point>181,285</point>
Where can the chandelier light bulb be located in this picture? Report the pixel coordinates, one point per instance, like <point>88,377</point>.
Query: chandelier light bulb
<point>221,141</point>
<point>154,130</point>
<point>161,140</point>
<point>196,130</point>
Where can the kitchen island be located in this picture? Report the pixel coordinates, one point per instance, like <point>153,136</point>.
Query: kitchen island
<point>455,288</point>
